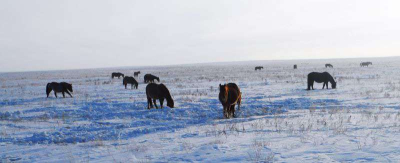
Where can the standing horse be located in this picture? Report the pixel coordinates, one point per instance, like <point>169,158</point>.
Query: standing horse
<point>328,65</point>
<point>150,78</point>
<point>117,74</point>
<point>362,64</point>
<point>59,87</point>
<point>258,68</point>
<point>130,80</point>
<point>229,96</point>
<point>136,74</point>
<point>324,77</point>
<point>160,92</point>
<point>294,66</point>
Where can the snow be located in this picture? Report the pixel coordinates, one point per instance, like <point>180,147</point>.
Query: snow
<point>279,121</point>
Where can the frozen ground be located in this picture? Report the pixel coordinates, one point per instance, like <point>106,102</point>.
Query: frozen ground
<point>279,120</point>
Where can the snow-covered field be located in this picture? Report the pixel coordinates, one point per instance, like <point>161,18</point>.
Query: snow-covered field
<point>279,121</point>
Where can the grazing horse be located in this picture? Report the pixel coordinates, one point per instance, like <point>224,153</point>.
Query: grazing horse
<point>150,78</point>
<point>229,96</point>
<point>294,66</point>
<point>130,80</point>
<point>362,64</point>
<point>328,65</point>
<point>136,74</point>
<point>324,77</point>
<point>258,68</point>
<point>59,87</point>
<point>160,92</point>
<point>117,74</point>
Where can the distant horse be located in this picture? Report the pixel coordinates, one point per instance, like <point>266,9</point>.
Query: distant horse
<point>294,66</point>
<point>328,65</point>
<point>117,74</point>
<point>59,87</point>
<point>258,68</point>
<point>229,96</point>
<point>130,80</point>
<point>362,64</point>
<point>150,78</point>
<point>160,92</point>
<point>136,74</point>
<point>324,77</point>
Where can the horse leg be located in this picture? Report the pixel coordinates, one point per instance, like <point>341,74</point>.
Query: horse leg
<point>55,94</point>
<point>323,86</point>
<point>125,86</point>
<point>149,104</point>
<point>155,103</point>
<point>68,93</point>
<point>225,110</point>
<point>161,102</point>
<point>233,111</point>
<point>63,93</point>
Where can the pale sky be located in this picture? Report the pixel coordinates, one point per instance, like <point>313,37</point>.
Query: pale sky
<point>74,34</point>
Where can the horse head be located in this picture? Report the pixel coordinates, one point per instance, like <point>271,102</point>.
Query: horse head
<point>69,87</point>
<point>223,91</point>
<point>164,89</point>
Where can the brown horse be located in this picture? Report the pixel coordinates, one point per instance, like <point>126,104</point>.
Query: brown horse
<point>130,80</point>
<point>117,74</point>
<point>136,74</point>
<point>229,96</point>
<point>160,92</point>
<point>258,68</point>
<point>59,87</point>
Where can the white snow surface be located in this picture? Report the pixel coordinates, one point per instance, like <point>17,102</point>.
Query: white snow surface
<point>279,120</point>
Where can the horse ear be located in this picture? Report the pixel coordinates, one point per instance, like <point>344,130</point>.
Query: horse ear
<point>220,85</point>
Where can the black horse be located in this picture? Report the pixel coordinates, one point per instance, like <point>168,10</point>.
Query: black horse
<point>130,80</point>
<point>160,92</point>
<point>136,74</point>
<point>318,77</point>
<point>229,96</point>
<point>294,66</point>
<point>258,68</point>
<point>362,64</point>
<point>150,78</point>
<point>62,87</point>
<point>117,74</point>
<point>328,65</point>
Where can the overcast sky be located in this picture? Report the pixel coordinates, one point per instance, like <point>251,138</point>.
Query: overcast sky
<point>73,34</point>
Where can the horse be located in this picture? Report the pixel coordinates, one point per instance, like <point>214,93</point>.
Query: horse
<point>294,66</point>
<point>324,77</point>
<point>328,65</point>
<point>59,87</point>
<point>117,74</point>
<point>229,96</point>
<point>130,80</point>
<point>136,74</point>
<point>258,68</point>
<point>362,64</point>
<point>158,91</point>
<point>150,78</point>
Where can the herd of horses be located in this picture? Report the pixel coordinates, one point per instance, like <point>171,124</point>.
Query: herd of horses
<point>229,94</point>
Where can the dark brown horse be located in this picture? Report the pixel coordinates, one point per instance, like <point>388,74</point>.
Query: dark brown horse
<point>362,64</point>
<point>324,77</point>
<point>62,87</point>
<point>258,68</point>
<point>117,74</point>
<point>328,65</point>
<point>130,80</point>
<point>160,92</point>
<point>294,66</point>
<point>229,96</point>
<point>136,74</point>
<point>150,78</point>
